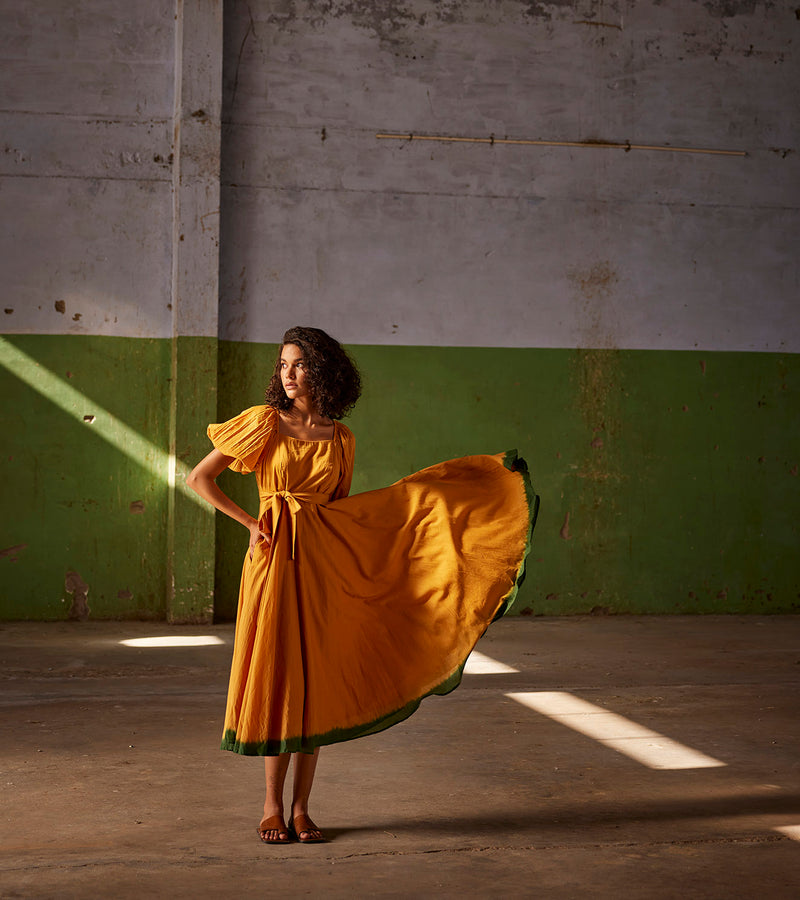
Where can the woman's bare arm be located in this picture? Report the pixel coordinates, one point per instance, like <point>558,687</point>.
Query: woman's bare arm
<point>202,480</point>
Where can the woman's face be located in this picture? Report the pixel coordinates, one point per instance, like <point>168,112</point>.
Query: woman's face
<point>293,372</point>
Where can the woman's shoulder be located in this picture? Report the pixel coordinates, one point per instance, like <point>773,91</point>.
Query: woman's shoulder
<point>245,435</point>
<point>263,409</point>
<point>261,415</point>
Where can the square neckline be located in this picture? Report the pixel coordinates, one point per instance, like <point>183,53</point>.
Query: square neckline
<point>305,440</point>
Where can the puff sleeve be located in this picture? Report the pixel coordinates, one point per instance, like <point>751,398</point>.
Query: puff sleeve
<point>347,447</point>
<point>244,437</point>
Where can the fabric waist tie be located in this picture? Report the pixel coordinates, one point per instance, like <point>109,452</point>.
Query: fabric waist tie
<point>277,501</point>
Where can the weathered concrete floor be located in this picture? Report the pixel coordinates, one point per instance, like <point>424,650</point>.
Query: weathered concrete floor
<point>112,785</point>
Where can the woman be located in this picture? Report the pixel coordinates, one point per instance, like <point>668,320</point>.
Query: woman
<point>351,609</point>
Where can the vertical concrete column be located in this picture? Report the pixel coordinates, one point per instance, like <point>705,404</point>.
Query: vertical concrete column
<point>195,282</point>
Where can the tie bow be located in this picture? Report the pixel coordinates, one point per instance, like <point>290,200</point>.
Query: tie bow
<point>293,503</point>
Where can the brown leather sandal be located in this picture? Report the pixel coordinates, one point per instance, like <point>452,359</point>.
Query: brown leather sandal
<point>274,823</point>
<point>303,825</point>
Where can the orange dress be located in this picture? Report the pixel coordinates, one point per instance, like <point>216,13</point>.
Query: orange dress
<point>363,605</point>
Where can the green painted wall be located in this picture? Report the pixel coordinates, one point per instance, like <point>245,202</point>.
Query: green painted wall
<point>72,499</point>
<point>669,480</point>
<point>88,513</point>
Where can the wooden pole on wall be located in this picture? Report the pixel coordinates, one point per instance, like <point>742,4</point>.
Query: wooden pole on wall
<point>611,145</point>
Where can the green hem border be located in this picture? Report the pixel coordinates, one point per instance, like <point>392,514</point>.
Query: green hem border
<point>514,463</point>
<point>337,735</point>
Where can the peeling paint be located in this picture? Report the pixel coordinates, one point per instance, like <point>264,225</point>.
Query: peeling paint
<point>86,505</point>
<point>75,585</point>
<point>729,9</point>
<point>543,10</point>
<point>12,553</point>
<point>392,20</point>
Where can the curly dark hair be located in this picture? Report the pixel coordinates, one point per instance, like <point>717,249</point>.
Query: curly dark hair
<point>331,375</point>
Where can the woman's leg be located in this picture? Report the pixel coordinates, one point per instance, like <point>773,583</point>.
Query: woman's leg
<point>305,765</point>
<point>275,769</point>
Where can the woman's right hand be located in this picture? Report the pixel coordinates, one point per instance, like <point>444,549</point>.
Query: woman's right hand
<point>256,536</point>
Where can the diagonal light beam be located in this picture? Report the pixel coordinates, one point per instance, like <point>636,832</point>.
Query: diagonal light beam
<point>162,465</point>
<point>648,747</point>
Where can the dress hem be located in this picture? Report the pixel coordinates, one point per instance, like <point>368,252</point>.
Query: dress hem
<point>337,735</point>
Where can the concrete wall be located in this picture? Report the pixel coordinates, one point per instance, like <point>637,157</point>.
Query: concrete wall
<point>512,246</point>
<point>627,319</point>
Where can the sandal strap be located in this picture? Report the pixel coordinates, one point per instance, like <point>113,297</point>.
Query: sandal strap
<point>273,823</point>
<point>303,824</point>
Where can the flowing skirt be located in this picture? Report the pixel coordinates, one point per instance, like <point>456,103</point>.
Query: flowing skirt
<point>363,606</point>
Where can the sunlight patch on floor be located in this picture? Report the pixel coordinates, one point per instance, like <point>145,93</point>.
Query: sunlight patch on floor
<point>194,640</point>
<point>480,664</point>
<point>647,747</point>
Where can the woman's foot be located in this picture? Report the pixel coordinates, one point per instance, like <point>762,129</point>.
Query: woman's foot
<point>305,830</point>
<point>273,830</point>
